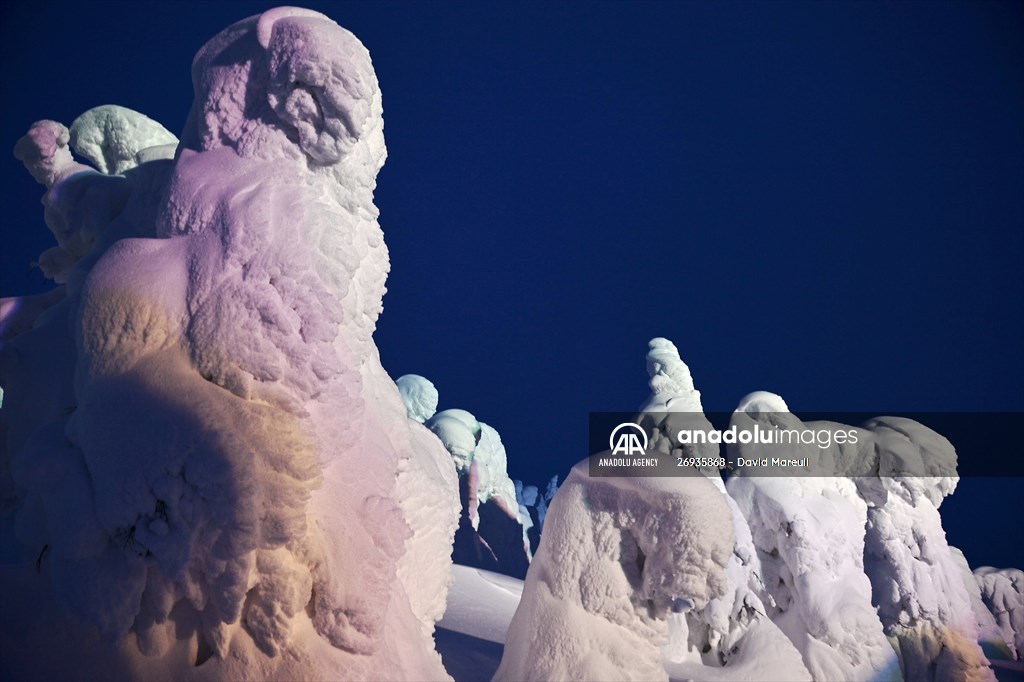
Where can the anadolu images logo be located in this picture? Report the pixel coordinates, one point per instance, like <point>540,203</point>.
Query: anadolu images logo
<point>628,439</point>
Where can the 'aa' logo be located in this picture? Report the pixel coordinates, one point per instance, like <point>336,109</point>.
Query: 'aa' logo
<point>628,439</point>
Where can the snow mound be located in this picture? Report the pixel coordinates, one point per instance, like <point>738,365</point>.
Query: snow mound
<point>842,576</point>
<point>481,603</point>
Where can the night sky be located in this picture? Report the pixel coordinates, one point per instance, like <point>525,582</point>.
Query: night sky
<point>822,200</point>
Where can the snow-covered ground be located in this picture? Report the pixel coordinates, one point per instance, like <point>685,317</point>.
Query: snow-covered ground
<point>481,603</point>
<point>471,635</point>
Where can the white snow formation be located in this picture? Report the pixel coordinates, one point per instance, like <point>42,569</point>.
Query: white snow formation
<point>617,554</point>
<point>419,395</point>
<point>206,471</point>
<point>500,542</point>
<point>840,577</point>
<point>809,537</point>
<point>732,637</point>
<point>1002,593</point>
<point>470,443</point>
<point>111,138</point>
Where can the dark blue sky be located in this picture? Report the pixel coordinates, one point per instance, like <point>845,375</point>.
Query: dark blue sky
<point>824,200</point>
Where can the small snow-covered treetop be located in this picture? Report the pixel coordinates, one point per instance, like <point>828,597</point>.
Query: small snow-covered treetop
<point>45,151</point>
<point>111,137</point>
<point>474,443</point>
<point>419,396</point>
<point>670,381</point>
<point>80,203</point>
<point>457,437</point>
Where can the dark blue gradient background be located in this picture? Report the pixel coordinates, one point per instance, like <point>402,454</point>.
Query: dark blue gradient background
<point>824,200</point>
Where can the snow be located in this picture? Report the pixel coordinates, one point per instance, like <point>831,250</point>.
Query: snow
<point>918,586</point>
<point>481,603</point>
<point>419,395</point>
<point>1002,592</point>
<point>111,138</point>
<point>840,576</point>
<point>672,388</point>
<point>809,536</point>
<point>615,555</point>
<point>994,641</point>
<point>533,509</point>
<point>494,527</point>
<point>730,637</point>
<point>208,462</point>
<point>207,474</point>
<point>530,498</point>
<point>492,470</point>
<point>456,437</point>
<point>79,203</point>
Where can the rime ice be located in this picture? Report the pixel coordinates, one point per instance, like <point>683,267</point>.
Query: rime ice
<point>208,461</point>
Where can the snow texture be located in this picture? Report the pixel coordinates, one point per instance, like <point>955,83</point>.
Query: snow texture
<point>493,531</point>
<point>617,554</point>
<point>468,441</point>
<point>203,456</point>
<point>1002,593</point>
<point>917,581</point>
<point>112,137</point>
<point>205,473</point>
<point>419,396</point>
<point>79,203</point>
<point>844,577</point>
<point>732,637</point>
<point>672,388</point>
<point>860,564</point>
<point>809,535</point>
<point>994,640</point>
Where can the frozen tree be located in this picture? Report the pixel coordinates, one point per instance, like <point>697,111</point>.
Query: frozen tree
<point>809,536</point>
<point>917,581</point>
<point>732,634</point>
<point>111,138</point>
<point>79,204</point>
<point>617,554</point>
<point>209,464</point>
<point>492,532</point>
<point>419,396</point>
